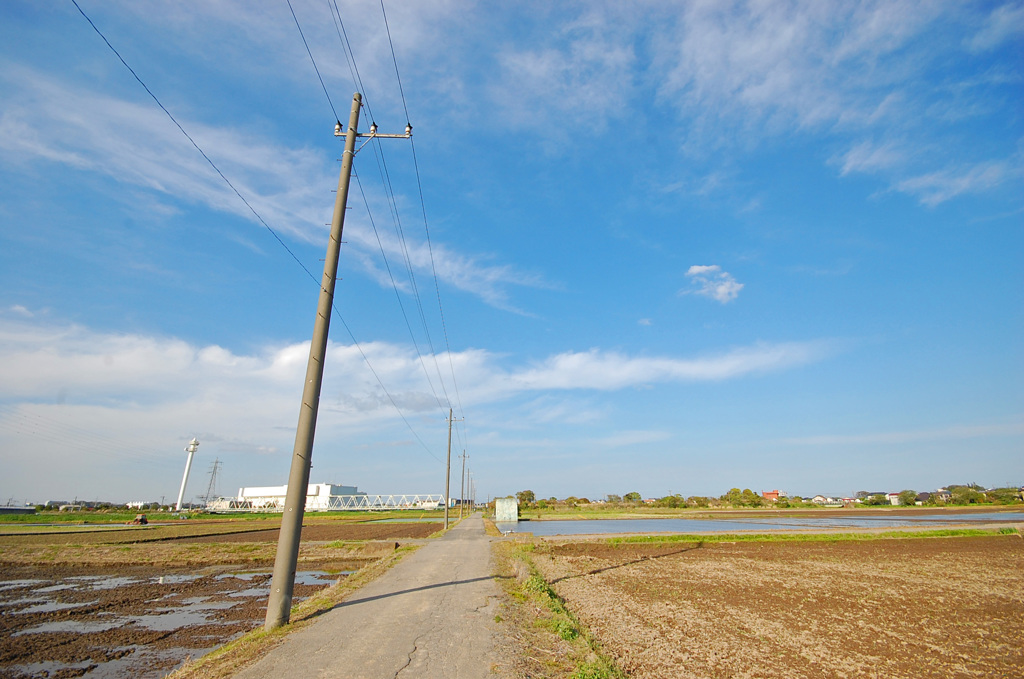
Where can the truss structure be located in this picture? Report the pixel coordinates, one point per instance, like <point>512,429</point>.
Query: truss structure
<point>335,503</point>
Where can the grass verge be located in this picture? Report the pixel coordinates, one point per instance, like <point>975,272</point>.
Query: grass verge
<point>550,639</point>
<point>812,537</point>
<point>230,658</point>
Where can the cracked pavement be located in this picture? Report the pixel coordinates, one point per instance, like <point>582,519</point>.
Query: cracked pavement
<point>430,616</point>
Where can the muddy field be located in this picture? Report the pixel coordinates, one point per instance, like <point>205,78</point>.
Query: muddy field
<point>939,607</point>
<point>123,607</point>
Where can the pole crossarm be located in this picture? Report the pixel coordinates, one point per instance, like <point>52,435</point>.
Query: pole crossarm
<point>373,134</point>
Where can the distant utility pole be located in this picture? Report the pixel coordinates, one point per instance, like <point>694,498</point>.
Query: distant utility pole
<point>448,469</point>
<point>462,487</point>
<point>283,583</point>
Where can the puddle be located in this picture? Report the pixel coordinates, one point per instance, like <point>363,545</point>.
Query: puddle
<point>199,611</point>
<point>76,626</point>
<point>52,606</point>
<point>6,585</point>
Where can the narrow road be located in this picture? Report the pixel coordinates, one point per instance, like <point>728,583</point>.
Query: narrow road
<point>430,616</point>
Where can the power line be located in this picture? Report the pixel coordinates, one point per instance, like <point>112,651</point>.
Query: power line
<point>187,136</point>
<point>392,202</point>
<point>394,286</point>
<point>394,60</point>
<point>423,207</point>
<point>312,59</point>
<point>247,204</point>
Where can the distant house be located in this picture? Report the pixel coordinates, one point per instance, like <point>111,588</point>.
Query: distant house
<point>825,501</point>
<point>922,498</point>
<point>943,494</point>
<point>893,498</point>
<point>770,495</point>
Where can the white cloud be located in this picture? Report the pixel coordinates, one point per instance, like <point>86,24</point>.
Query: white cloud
<point>883,438</point>
<point>1004,23</point>
<point>129,370</point>
<point>109,405</point>
<point>584,77</point>
<point>869,157</point>
<point>937,187</point>
<point>136,144</point>
<point>711,281</point>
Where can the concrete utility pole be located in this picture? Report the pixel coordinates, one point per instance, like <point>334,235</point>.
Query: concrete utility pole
<point>448,469</point>
<point>462,485</point>
<point>191,450</point>
<point>283,583</point>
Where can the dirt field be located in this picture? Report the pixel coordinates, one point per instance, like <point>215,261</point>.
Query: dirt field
<point>139,609</point>
<point>937,607</point>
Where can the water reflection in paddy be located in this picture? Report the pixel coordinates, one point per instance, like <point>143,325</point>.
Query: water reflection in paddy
<point>728,525</point>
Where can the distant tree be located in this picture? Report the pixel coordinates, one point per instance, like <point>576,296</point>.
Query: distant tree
<point>542,504</point>
<point>632,497</point>
<point>526,497</point>
<point>751,499</point>
<point>966,495</point>
<point>697,501</point>
<point>861,494</point>
<point>908,498</point>
<point>614,498</point>
<point>582,501</point>
<point>876,500</point>
<point>1005,496</point>
<point>734,497</point>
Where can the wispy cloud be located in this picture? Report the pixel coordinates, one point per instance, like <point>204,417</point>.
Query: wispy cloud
<point>584,76</point>
<point>1004,23</point>
<point>867,156</point>
<point>711,281</point>
<point>135,144</point>
<point>883,438</point>
<point>937,187</point>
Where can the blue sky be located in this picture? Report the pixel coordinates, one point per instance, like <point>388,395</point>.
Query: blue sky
<point>679,247</point>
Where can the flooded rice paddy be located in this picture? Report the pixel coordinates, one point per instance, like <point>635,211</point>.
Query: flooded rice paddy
<point>142,624</point>
<point>547,528</point>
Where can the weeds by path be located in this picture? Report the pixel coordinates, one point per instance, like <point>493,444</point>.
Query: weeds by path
<point>550,640</point>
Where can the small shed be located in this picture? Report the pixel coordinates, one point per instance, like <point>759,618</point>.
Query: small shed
<point>506,509</point>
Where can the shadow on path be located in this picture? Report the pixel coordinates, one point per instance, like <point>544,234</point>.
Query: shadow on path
<point>352,602</point>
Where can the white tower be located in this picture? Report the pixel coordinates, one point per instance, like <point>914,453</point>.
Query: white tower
<point>191,450</point>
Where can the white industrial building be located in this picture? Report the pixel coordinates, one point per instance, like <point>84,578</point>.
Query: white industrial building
<point>321,497</point>
<point>318,496</point>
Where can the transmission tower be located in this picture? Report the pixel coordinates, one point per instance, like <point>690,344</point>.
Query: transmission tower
<point>211,490</point>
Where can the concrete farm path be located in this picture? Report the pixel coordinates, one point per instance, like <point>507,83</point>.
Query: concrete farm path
<point>430,616</point>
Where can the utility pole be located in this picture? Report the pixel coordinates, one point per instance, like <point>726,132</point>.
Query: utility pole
<point>448,469</point>
<point>283,583</point>
<point>462,483</point>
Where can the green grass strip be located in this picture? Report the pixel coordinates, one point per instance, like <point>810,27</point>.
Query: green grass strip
<point>810,537</point>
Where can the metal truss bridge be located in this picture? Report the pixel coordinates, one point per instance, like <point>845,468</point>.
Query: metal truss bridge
<point>334,503</point>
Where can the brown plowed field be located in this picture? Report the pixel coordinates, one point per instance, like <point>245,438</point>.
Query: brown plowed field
<point>326,532</point>
<point>938,607</point>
